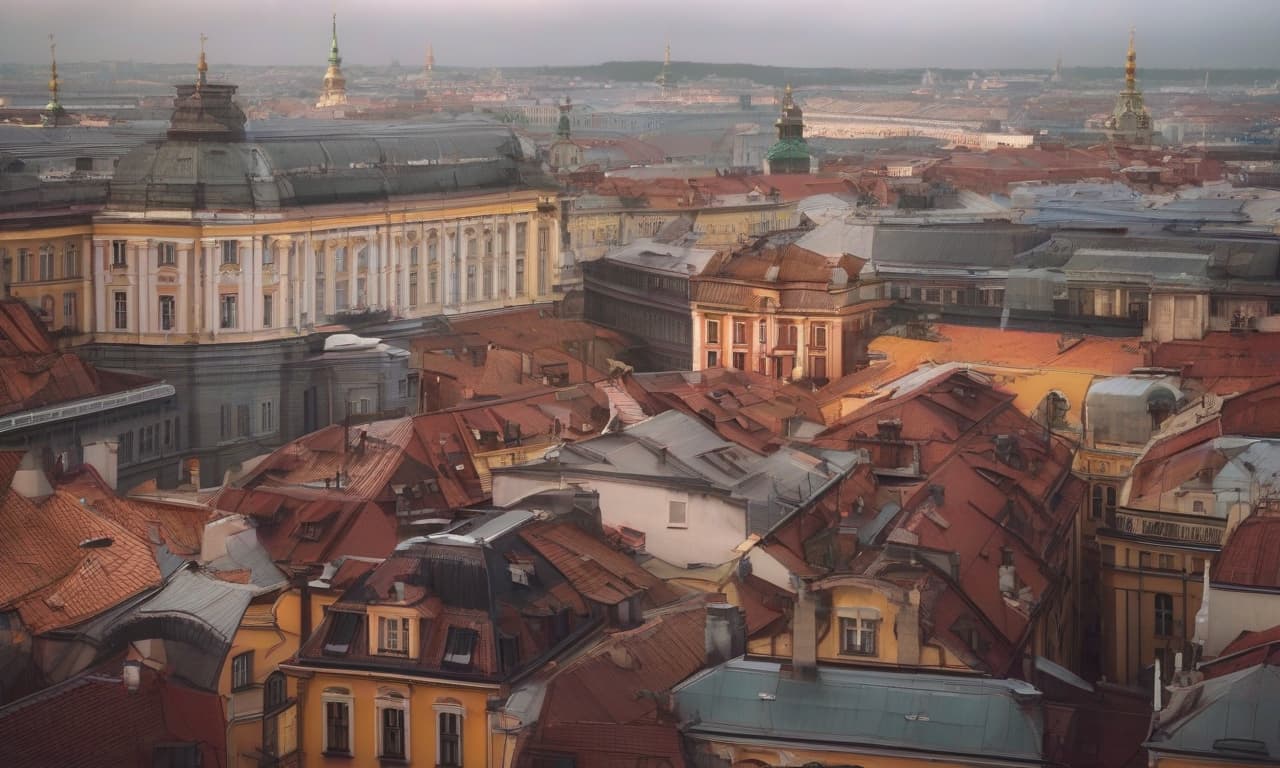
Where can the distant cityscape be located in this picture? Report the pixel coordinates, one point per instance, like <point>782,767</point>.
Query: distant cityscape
<point>651,414</point>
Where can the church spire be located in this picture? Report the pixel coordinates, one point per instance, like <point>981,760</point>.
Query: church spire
<point>1131,65</point>
<point>54,105</point>
<point>334,59</point>
<point>202,68</point>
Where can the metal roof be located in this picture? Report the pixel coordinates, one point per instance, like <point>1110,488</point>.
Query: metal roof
<point>1232,717</point>
<point>922,713</point>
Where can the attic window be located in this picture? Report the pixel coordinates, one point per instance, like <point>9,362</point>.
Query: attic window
<point>309,531</point>
<point>459,647</point>
<point>889,429</point>
<point>342,632</point>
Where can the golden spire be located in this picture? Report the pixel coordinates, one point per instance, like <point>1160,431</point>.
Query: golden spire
<point>666,59</point>
<point>787,101</point>
<point>1131,65</point>
<point>202,68</point>
<point>53,74</point>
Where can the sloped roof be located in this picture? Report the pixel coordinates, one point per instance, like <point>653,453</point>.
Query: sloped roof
<point>923,714</point>
<point>1231,717</point>
<point>92,719</point>
<point>49,578</point>
<point>1251,556</point>
<point>601,573</point>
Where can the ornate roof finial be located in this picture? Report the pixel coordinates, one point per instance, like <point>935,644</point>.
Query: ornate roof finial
<point>787,100</point>
<point>666,58</point>
<point>334,58</point>
<point>202,68</point>
<point>1131,64</point>
<point>53,104</point>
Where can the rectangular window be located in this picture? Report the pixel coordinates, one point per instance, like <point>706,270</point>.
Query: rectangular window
<point>450,740</point>
<point>818,336</point>
<point>46,262</point>
<point>242,671</point>
<point>267,301</point>
<point>166,254</point>
<point>544,258</point>
<point>230,252</point>
<point>713,359</point>
<point>70,260</point>
<point>471,281</point>
<point>319,295</point>
<point>24,265</point>
<point>433,286</point>
<point>167,313</point>
<point>520,275</point>
<point>413,289</point>
<point>341,633</point>
<point>337,727</point>
<point>740,361</point>
<point>763,332</point>
<point>676,517</point>
<point>242,421</point>
<point>393,635</point>
<point>713,331</point>
<point>739,332</point>
<point>340,259</point>
<point>228,305</point>
<point>1164,615</point>
<point>459,647</point>
<point>119,253</point>
<point>1166,562</point>
<point>68,310</point>
<point>817,367</point>
<point>858,636</point>
<point>122,311</point>
<point>393,740</point>
<point>267,417</point>
<point>268,254</point>
<point>340,296</point>
<point>226,422</point>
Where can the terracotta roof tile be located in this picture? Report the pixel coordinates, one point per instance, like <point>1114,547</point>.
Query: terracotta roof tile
<point>1251,557</point>
<point>600,573</point>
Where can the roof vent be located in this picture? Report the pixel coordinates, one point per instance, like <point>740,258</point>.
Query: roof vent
<point>97,542</point>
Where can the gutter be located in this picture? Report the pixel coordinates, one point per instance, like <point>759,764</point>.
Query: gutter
<point>77,408</point>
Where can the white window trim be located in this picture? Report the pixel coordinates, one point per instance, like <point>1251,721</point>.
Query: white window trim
<point>453,709</point>
<point>393,702</point>
<point>340,698</point>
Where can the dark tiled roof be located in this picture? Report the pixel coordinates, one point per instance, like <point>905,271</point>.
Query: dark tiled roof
<point>1251,557</point>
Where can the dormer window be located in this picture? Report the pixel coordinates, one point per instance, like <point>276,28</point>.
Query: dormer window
<point>393,635</point>
<point>341,633</point>
<point>459,648</point>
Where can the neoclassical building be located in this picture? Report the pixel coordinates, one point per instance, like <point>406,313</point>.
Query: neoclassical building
<point>221,260</point>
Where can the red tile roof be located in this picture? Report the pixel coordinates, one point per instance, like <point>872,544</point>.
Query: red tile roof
<point>92,720</point>
<point>614,691</point>
<point>34,374</point>
<point>602,574</point>
<point>1251,556</point>
<point>1248,650</point>
<point>49,578</point>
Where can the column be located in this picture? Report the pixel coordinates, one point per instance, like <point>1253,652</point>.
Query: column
<point>802,346</point>
<point>464,247</point>
<point>510,256</point>
<point>531,287</point>
<point>99,272</point>
<point>211,271</point>
<point>307,273</point>
<point>251,283</point>
<point>142,291</point>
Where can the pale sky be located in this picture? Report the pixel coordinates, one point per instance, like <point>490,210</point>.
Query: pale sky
<point>485,33</point>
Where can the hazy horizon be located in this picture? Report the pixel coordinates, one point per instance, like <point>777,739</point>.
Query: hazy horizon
<point>982,34</point>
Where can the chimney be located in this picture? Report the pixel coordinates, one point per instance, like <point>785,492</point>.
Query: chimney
<point>30,480</point>
<point>101,455</point>
<point>907,629</point>
<point>726,633</point>
<point>804,634</point>
<point>131,675</point>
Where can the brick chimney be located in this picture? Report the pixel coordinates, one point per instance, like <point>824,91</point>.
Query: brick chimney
<point>726,633</point>
<point>804,634</point>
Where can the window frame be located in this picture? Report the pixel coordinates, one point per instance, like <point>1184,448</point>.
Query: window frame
<point>229,312</point>
<point>166,254</point>
<point>682,519</point>
<point>120,310</point>
<point>1162,614</point>
<point>229,253</point>
<point>242,671</point>
<point>399,628</point>
<point>119,253</point>
<point>713,330</point>
<point>330,699</point>
<point>169,319</point>
<point>268,309</point>
<point>383,705</point>
<point>859,628</point>
<point>457,718</point>
<point>452,656</point>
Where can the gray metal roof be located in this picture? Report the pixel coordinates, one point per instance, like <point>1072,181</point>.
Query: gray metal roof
<point>662,257</point>
<point>1231,717</point>
<point>190,594</point>
<point>674,445</point>
<point>280,170</point>
<point>987,245</point>
<point>922,713</point>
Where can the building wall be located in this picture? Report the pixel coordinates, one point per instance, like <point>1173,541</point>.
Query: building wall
<point>708,753</point>
<point>426,698</point>
<point>768,352</point>
<point>650,306</point>
<point>287,274</point>
<point>1232,611</point>
<point>49,269</point>
<point>713,528</point>
<point>1178,316</point>
<point>1135,571</point>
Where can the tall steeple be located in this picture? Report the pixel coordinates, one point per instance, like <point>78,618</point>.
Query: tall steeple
<point>53,111</point>
<point>790,153</point>
<point>1131,65</point>
<point>665,80</point>
<point>335,85</point>
<point>1130,122</point>
<point>202,67</point>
